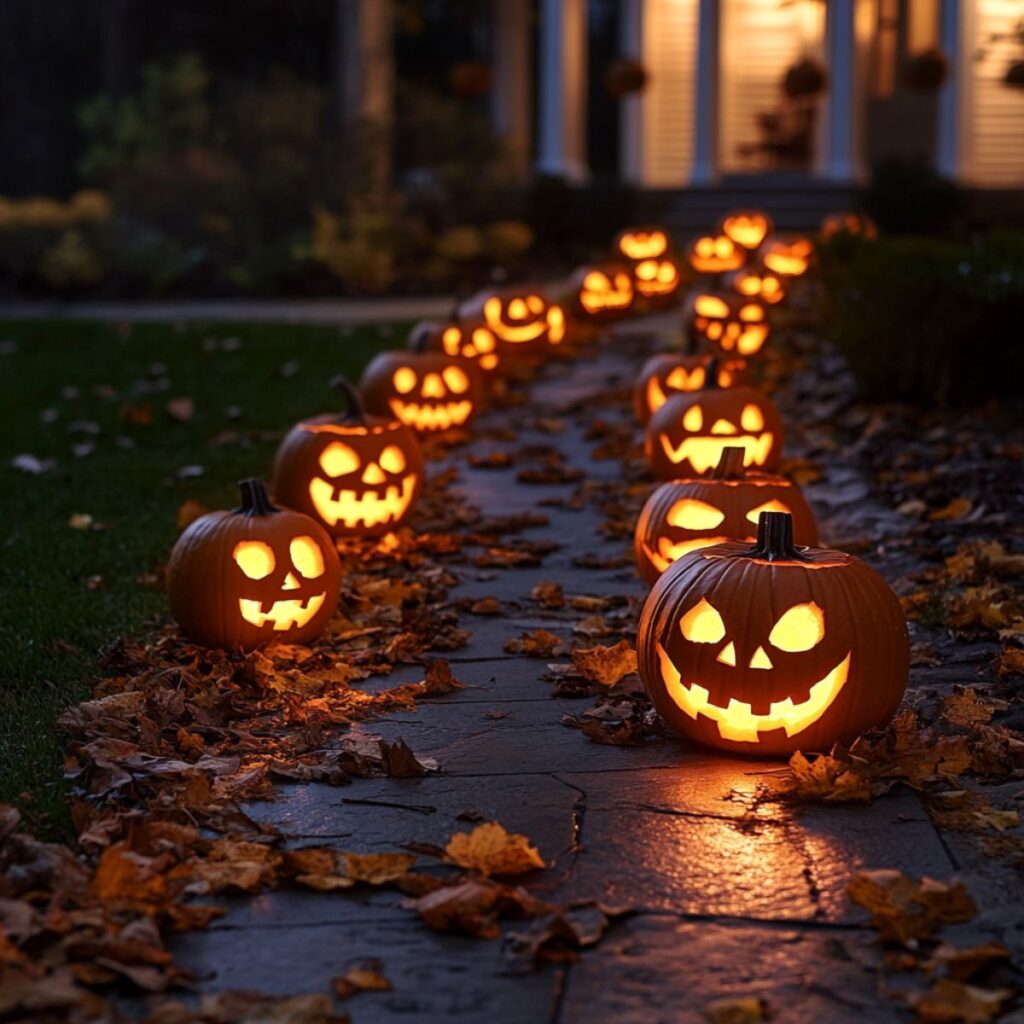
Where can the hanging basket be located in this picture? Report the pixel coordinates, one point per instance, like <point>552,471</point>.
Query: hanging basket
<point>926,71</point>
<point>804,79</point>
<point>623,77</point>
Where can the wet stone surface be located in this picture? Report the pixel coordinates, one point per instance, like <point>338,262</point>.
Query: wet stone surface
<point>733,896</point>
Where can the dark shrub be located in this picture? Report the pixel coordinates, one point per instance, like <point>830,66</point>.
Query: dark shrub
<point>928,321</point>
<point>908,197</point>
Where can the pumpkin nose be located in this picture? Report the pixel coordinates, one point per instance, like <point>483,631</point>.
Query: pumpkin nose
<point>290,582</point>
<point>433,386</point>
<point>373,474</point>
<point>761,659</point>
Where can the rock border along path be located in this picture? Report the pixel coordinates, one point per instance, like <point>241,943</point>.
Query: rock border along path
<point>734,896</point>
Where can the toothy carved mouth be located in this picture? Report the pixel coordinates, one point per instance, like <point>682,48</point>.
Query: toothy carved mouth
<point>368,509</point>
<point>704,452</point>
<point>292,613</point>
<point>432,417</point>
<point>737,721</point>
<point>668,552</point>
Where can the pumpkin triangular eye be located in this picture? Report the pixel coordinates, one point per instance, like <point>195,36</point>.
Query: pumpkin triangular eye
<point>799,629</point>
<point>691,514</point>
<point>702,624</point>
<point>769,506</point>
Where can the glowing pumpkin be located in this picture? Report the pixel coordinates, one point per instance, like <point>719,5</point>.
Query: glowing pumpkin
<point>522,318</point>
<point>687,435</point>
<point>667,373</point>
<point>357,475</point>
<point>475,343</point>
<point>715,254</point>
<point>657,281</point>
<point>636,244</point>
<point>682,516</point>
<point>770,649</point>
<point>733,325</point>
<point>259,573</point>
<point>762,285</point>
<point>787,256</point>
<point>428,391</point>
<point>848,222</point>
<point>747,228</point>
<point>602,291</point>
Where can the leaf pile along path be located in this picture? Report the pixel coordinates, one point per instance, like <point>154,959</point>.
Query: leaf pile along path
<point>459,805</point>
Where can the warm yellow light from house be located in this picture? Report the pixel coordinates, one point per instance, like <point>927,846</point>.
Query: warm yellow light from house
<point>799,629</point>
<point>254,558</point>
<point>702,624</point>
<point>692,514</point>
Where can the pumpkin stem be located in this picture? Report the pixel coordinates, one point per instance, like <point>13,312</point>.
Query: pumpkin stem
<point>418,341</point>
<point>730,465</point>
<point>711,374</point>
<point>353,402</point>
<point>255,500</point>
<point>775,539</point>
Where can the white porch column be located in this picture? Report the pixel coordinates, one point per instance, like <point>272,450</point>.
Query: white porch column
<point>840,162</point>
<point>510,97</point>
<point>561,144</point>
<point>632,156</point>
<point>705,120</point>
<point>952,149</point>
<point>366,68</point>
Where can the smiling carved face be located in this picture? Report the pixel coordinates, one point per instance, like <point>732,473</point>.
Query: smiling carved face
<point>521,318</point>
<point>770,655</point>
<point>687,435</point>
<point>733,325</point>
<point>715,254</point>
<point>603,292</point>
<point>427,391</point>
<point>665,375</point>
<point>635,244</point>
<point>657,280</point>
<point>762,285</point>
<point>787,256</point>
<point>747,228</point>
<point>475,343</point>
<point>682,516</point>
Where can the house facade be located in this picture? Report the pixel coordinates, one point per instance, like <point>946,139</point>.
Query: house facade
<point>919,79</point>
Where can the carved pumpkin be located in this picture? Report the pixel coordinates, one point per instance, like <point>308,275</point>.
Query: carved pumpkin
<point>715,254</point>
<point>657,281</point>
<point>259,573</point>
<point>848,222</point>
<point>687,435</point>
<point>747,228</point>
<point>635,244</point>
<point>428,391</point>
<point>731,324</point>
<point>522,318</point>
<point>357,475</point>
<point>473,342</point>
<point>787,256</point>
<point>682,516</point>
<point>668,373</point>
<point>762,285</point>
<point>602,291</point>
<point>770,649</point>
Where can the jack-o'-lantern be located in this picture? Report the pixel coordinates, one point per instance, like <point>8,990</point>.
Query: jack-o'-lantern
<point>682,516</point>
<point>687,435</point>
<point>715,254</point>
<point>428,391</point>
<point>657,281</point>
<point>523,318</point>
<point>636,244</point>
<point>259,573</point>
<point>668,373</point>
<point>733,325</point>
<point>473,342</point>
<point>357,475</point>
<point>770,649</point>
<point>602,291</point>
<point>787,256</point>
<point>747,228</point>
<point>762,285</point>
<point>849,222</point>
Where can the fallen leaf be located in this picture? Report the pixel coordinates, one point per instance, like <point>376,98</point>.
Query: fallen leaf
<point>605,665</point>
<point>956,509</point>
<point>538,644</point>
<point>953,1002</point>
<point>365,976</point>
<point>742,1010</point>
<point>491,850</point>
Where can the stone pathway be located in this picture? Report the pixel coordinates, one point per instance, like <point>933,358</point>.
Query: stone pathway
<point>734,897</point>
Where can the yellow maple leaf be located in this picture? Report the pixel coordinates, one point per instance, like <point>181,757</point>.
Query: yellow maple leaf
<point>491,850</point>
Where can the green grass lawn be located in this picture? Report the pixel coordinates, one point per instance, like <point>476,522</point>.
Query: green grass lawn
<point>65,593</point>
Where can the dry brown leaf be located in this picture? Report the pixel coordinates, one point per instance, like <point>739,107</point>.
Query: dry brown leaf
<point>486,606</point>
<point>538,644</point>
<point>365,976</point>
<point>605,665</point>
<point>956,509</point>
<point>548,594</point>
<point>742,1010</point>
<point>953,1002</point>
<point>966,708</point>
<point>491,850</point>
